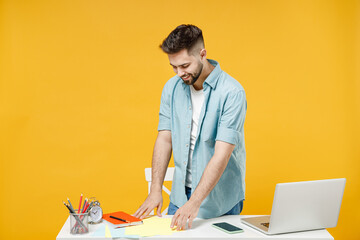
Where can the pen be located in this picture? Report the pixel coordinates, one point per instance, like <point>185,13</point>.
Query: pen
<point>119,219</point>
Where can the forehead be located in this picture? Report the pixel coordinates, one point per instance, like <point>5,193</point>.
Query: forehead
<point>180,58</point>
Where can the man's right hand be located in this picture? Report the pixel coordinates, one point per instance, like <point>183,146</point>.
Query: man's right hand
<point>160,162</point>
<point>153,200</point>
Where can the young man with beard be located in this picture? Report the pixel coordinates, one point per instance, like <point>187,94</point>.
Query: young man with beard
<point>201,120</point>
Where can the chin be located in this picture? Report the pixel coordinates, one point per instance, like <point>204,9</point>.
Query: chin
<point>188,83</point>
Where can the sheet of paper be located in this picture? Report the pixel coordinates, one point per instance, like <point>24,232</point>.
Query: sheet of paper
<point>100,232</point>
<point>120,233</point>
<point>152,226</point>
<point>109,232</point>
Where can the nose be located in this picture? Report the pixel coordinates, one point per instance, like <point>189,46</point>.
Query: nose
<point>180,73</point>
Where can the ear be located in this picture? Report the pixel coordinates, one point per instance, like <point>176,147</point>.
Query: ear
<point>203,54</point>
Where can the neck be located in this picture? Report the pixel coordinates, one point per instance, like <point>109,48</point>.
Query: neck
<point>207,69</point>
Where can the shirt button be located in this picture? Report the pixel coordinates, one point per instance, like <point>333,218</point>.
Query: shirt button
<point>188,125</point>
<point>189,108</point>
<point>187,145</point>
<point>184,162</point>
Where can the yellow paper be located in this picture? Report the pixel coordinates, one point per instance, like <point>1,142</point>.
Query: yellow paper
<point>107,232</point>
<point>150,227</point>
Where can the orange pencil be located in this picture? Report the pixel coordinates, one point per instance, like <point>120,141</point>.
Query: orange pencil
<point>80,203</point>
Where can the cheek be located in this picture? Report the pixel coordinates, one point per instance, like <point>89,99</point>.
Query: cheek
<point>195,72</point>
<point>191,70</point>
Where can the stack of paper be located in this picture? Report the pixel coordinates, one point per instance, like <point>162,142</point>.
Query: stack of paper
<point>152,226</point>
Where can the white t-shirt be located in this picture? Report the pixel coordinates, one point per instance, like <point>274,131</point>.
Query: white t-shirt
<point>197,100</point>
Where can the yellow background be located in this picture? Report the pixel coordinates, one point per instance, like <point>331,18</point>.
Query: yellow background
<point>80,86</point>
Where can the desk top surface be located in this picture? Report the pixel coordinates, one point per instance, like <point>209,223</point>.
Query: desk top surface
<point>202,229</point>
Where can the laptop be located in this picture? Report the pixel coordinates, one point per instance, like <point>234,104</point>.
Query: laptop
<point>301,206</point>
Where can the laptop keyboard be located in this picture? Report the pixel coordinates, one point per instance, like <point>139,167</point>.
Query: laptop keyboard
<point>265,224</point>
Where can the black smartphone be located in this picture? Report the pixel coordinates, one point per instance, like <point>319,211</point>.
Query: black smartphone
<point>226,227</point>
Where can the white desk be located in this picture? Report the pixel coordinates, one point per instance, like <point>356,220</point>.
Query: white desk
<point>202,229</point>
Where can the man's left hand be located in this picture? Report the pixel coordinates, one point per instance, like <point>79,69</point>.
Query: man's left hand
<point>187,212</point>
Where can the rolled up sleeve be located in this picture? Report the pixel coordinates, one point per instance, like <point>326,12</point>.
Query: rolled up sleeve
<point>164,114</point>
<point>231,123</point>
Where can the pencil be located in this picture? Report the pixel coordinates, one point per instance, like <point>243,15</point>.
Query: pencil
<point>86,208</point>
<point>119,219</point>
<point>71,206</point>
<point>78,220</point>
<point>85,202</point>
<point>67,206</point>
<point>80,203</point>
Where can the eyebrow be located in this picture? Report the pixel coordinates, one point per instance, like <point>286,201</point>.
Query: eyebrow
<point>180,64</point>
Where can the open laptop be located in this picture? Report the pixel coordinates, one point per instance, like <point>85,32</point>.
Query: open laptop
<point>301,206</point>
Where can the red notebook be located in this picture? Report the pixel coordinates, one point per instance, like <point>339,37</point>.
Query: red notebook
<point>130,220</point>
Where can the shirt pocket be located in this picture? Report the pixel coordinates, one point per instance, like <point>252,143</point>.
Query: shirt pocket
<point>210,125</point>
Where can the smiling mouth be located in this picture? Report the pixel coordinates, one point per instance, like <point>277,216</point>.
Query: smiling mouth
<point>186,78</point>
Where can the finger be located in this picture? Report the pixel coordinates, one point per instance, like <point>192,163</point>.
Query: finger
<point>147,212</point>
<point>190,222</point>
<point>159,209</point>
<point>178,225</point>
<point>181,224</point>
<point>141,212</point>
<point>184,222</point>
<point>136,214</point>
<point>174,220</point>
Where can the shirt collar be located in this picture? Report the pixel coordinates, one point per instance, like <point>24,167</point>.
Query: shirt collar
<point>213,77</point>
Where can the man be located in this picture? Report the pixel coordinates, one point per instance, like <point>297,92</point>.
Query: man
<point>201,121</point>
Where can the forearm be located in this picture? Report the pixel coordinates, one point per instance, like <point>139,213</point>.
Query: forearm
<point>160,161</point>
<point>212,172</point>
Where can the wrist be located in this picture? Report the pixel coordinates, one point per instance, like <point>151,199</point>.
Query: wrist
<point>156,189</point>
<point>195,201</point>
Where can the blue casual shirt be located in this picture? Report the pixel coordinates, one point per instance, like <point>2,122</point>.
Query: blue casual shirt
<point>221,119</point>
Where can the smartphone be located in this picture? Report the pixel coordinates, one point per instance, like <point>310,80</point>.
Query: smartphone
<point>226,227</point>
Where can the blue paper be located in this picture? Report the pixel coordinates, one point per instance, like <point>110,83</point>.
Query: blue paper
<point>115,232</point>
<point>100,232</point>
<point>120,233</point>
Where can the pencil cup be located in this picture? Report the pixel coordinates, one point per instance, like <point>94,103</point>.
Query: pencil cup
<point>79,223</point>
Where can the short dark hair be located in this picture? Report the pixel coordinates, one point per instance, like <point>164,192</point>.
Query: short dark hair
<point>182,37</point>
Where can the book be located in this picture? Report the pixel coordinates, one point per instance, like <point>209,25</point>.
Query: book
<point>130,220</point>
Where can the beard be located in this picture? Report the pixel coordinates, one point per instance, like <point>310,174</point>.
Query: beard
<point>193,76</point>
